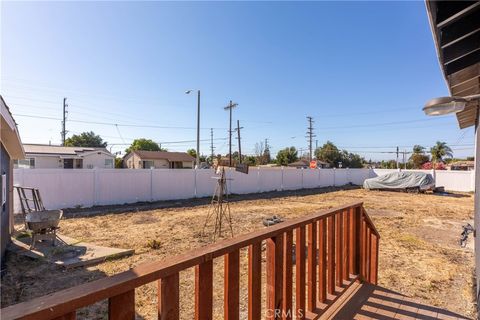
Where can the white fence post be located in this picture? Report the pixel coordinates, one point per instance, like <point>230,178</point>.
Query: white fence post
<point>95,187</point>
<point>151,184</point>
<point>334,170</point>
<point>281,185</point>
<point>258,179</point>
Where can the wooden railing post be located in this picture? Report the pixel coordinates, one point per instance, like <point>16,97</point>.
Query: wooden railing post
<point>274,276</point>
<point>331,254</point>
<point>345,242</point>
<point>232,286</point>
<point>339,253</point>
<point>204,290</point>
<point>312,266</point>
<point>122,306</point>
<point>300,272</point>
<point>255,281</point>
<point>358,241</point>
<point>168,297</point>
<point>374,259</point>
<point>322,260</point>
<point>287,275</point>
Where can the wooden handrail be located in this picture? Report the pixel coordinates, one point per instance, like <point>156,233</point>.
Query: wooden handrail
<point>120,288</point>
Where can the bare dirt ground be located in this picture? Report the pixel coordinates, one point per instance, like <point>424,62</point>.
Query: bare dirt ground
<point>419,251</point>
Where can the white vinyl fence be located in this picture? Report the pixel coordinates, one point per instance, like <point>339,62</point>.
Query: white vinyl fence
<point>63,188</point>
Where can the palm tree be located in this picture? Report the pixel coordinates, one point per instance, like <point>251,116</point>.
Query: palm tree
<point>418,149</point>
<point>439,151</point>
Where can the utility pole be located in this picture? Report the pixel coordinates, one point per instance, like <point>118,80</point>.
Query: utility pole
<point>64,131</point>
<point>212,148</point>
<point>405,159</point>
<point>198,129</point>
<point>310,136</point>
<point>397,158</point>
<point>239,144</point>
<point>230,106</point>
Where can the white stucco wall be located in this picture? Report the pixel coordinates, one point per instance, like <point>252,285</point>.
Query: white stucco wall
<point>97,160</point>
<point>44,162</point>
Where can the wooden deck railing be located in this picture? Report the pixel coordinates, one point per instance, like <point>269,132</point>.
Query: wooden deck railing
<point>333,249</point>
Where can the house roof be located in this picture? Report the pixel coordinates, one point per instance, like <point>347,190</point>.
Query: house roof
<point>46,149</point>
<point>455,27</point>
<point>170,156</point>
<point>9,135</point>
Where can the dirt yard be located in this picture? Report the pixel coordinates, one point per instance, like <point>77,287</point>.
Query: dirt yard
<point>419,251</point>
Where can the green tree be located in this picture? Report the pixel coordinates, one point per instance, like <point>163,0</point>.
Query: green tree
<point>418,157</point>
<point>286,156</point>
<point>439,151</point>
<point>86,139</point>
<point>329,153</point>
<point>250,160</point>
<point>144,144</point>
<point>351,160</point>
<point>192,152</point>
<point>118,163</point>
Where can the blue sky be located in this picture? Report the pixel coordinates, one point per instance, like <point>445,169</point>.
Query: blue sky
<point>363,70</point>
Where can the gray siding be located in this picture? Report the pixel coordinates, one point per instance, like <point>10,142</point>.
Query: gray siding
<point>5,223</point>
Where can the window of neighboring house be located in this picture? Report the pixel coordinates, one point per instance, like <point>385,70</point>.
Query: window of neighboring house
<point>78,163</point>
<point>28,163</point>
<point>108,163</point>
<point>147,164</point>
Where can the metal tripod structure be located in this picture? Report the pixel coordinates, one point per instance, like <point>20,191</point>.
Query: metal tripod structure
<point>220,207</point>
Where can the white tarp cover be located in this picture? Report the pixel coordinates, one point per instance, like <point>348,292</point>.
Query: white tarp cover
<point>400,180</point>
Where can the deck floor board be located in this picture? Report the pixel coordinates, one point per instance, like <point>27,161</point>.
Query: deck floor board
<point>375,302</point>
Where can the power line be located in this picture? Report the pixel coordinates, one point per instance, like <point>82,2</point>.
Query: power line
<point>110,123</point>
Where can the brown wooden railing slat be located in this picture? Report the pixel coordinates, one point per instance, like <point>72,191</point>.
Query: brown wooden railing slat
<point>274,275</point>
<point>168,297</point>
<point>331,254</point>
<point>300,272</point>
<point>351,241</point>
<point>364,249</point>
<point>345,243</point>
<point>368,254</point>
<point>357,213</point>
<point>287,275</point>
<point>68,316</point>
<point>122,306</point>
<point>339,248</point>
<point>312,267</point>
<point>204,290</point>
<point>255,281</point>
<point>322,260</point>
<point>232,286</point>
<point>374,259</point>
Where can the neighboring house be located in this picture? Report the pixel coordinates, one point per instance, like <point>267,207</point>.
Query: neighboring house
<point>11,148</point>
<point>461,165</point>
<point>303,163</point>
<point>54,157</point>
<point>140,159</point>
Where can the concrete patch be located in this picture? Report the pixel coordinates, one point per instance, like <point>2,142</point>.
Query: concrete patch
<point>68,253</point>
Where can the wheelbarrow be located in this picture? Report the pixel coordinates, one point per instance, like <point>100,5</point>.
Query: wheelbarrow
<point>43,225</point>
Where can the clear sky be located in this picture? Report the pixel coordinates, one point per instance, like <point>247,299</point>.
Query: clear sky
<point>362,70</point>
